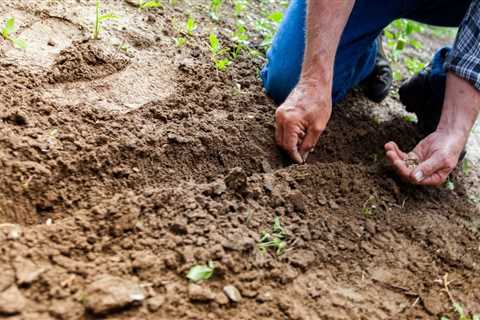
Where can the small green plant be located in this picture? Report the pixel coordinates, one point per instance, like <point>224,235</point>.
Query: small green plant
<point>215,8</point>
<point>456,307</point>
<point>100,19</point>
<point>191,26</point>
<point>239,7</point>
<point>7,31</point>
<point>449,185</point>
<point>142,5</point>
<point>240,38</point>
<point>218,53</point>
<point>201,272</point>
<point>180,41</point>
<point>268,26</point>
<point>410,118</point>
<point>466,166</point>
<point>273,240</point>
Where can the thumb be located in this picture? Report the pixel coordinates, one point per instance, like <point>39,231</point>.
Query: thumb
<point>309,142</point>
<point>426,169</point>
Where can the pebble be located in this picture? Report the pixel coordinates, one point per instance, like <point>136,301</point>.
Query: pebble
<point>12,301</point>
<point>155,303</point>
<point>232,293</point>
<point>109,293</point>
<point>197,293</point>
<point>26,271</point>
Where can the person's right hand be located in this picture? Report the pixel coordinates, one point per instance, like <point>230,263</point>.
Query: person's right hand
<point>302,118</point>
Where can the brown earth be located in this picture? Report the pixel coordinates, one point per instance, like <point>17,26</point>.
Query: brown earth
<point>121,170</point>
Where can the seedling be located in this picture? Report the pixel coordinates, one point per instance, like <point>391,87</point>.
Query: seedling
<point>201,272</point>
<point>99,19</point>
<point>449,185</point>
<point>239,7</point>
<point>457,307</point>
<point>191,26</point>
<point>180,42</point>
<point>240,38</point>
<point>274,240</point>
<point>268,26</point>
<point>410,118</point>
<point>7,32</point>
<point>142,5</point>
<point>215,8</point>
<point>221,63</point>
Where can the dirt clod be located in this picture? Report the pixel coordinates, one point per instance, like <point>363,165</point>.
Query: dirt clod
<point>199,293</point>
<point>108,293</point>
<point>12,301</point>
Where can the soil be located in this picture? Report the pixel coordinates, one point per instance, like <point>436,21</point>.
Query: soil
<point>120,170</point>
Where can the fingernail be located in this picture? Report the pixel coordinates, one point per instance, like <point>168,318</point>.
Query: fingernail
<point>305,156</point>
<point>419,175</point>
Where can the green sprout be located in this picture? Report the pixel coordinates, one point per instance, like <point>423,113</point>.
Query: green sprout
<point>99,19</point>
<point>180,41</point>
<point>274,240</point>
<point>191,26</point>
<point>221,63</point>
<point>201,272</point>
<point>8,30</point>
<point>215,8</point>
<point>240,38</point>
<point>142,5</point>
<point>449,185</point>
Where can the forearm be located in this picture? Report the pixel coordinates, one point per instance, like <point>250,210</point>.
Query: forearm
<point>326,20</point>
<point>461,106</point>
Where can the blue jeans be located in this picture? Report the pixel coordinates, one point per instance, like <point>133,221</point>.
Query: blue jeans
<point>356,53</point>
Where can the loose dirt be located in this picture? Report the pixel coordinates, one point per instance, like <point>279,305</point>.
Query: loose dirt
<point>120,170</point>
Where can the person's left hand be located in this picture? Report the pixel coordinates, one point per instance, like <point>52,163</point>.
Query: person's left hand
<point>436,155</point>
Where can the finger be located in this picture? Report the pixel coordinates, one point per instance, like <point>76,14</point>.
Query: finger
<point>402,170</point>
<point>392,146</point>
<point>290,144</point>
<point>433,170</point>
<point>309,142</point>
<point>436,179</point>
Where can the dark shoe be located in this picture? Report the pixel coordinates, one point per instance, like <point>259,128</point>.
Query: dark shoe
<point>378,84</point>
<point>423,95</point>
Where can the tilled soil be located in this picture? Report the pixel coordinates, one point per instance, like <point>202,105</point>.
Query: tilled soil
<point>122,170</point>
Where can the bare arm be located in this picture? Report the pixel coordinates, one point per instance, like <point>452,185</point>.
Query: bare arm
<point>302,118</point>
<point>439,152</point>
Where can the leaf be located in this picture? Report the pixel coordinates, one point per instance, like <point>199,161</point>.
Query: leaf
<point>276,17</point>
<point>214,43</point>
<point>107,16</point>
<point>19,43</point>
<point>201,272</point>
<point>151,4</point>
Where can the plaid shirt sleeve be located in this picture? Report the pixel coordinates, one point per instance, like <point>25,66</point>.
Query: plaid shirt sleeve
<point>464,59</point>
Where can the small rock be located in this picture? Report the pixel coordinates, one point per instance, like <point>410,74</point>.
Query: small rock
<point>26,271</point>
<point>108,293</point>
<point>232,293</point>
<point>12,301</point>
<point>333,205</point>
<point>265,296</point>
<point>7,278</point>
<point>268,182</point>
<point>155,303</point>
<point>197,293</point>
<point>221,299</point>
<point>65,310</point>
<point>14,232</point>
<point>236,180</point>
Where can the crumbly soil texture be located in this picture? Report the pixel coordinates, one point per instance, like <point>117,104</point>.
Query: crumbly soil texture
<point>127,160</point>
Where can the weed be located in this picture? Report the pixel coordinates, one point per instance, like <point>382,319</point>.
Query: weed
<point>457,307</point>
<point>274,240</point>
<point>410,118</point>
<point>191,26</point>
<point>466,167</point>
<point>218,53</point>
<point>449,185</point>
<point>268,26</point>
<point>7,31</point>
<point>142,5</point>
<point>215,8</point>
<point>99,19</point>
<point>180,41</point>
<point>240,38</point>
<point>201,272</point>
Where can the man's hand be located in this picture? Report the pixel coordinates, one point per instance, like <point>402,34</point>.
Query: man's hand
<point>301,119</point>
<point>436,155</point>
